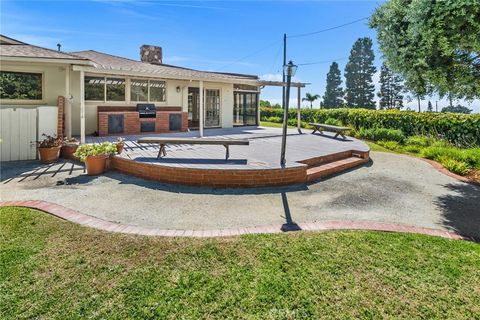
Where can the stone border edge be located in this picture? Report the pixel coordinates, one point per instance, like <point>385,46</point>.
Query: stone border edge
<point>97,223</point>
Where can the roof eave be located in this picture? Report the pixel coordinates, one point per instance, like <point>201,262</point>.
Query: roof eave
<point>82,62</point>
<point>164,76</point>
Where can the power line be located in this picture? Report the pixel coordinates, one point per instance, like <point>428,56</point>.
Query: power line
<point>249,55</point>
<point>327,29</point>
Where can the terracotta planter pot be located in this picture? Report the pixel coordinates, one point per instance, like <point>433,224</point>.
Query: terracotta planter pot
<point>68,150</point>
<point>119,148</point>
<point>49,155</point>
<point>95,164</point>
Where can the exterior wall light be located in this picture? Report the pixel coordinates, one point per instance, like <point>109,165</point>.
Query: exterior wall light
<point>178,89</point>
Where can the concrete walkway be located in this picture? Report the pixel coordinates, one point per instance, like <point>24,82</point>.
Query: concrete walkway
<point>391,189</point>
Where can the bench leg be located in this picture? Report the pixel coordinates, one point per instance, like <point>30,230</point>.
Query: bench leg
<point>161,151</point>
<point>227,150</point>
<point>314,130</point>
<point>336,135</point>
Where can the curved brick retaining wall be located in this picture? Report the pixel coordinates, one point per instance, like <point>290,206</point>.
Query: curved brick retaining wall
<point>212,178</point>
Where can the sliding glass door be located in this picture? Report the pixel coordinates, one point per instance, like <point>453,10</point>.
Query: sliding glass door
<point>245,108</point>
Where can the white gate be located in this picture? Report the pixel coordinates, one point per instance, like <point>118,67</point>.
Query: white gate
<point>18,133</point>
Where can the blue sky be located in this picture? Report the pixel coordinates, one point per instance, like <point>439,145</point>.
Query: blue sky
<point>234,36</point>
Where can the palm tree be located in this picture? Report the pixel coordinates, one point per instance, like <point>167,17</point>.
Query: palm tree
<point>311,98</point>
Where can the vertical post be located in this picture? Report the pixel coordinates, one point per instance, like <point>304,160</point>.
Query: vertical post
<point>299,110</point>
<point>82,107</point>
<point>285,121</point>
<point>67,105</point>
<point>418,99</point>
<point>436,106</point>
<point>200,125</point>
<point>283,69</point>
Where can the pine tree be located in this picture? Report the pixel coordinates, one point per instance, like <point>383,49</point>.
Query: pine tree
<point>333,97</point>
<point>391,88</point>
<point>359,72</point>
<point>430,107</point>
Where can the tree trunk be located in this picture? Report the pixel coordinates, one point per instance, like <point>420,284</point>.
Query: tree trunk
<point>311,105</point>
<point>418,99</point>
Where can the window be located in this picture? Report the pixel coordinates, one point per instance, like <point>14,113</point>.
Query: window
<point>212,108</point>
<point>95,88</point>
<point>115,89</point>
<point>139,90</point>
<point>157,91</point>
<point>20,85</point>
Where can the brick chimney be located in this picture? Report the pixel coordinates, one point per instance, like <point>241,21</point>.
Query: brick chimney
<point>151,54</point>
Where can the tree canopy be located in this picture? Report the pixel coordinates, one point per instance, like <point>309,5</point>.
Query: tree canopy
<point>310,98</point>
<point>359,72</point>
<point>333,97</point>
<point>434,45</point>
<point>457,109</point>
<point>391,88</point>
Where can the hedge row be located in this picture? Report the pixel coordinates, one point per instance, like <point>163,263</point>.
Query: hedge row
<point>460,129</point>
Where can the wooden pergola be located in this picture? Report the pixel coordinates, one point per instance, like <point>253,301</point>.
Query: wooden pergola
<point>299,86</point>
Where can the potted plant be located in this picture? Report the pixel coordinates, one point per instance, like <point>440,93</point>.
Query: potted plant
<point>49,148</point>
<point>95,156</point>
<point>69,147</point>
<point>120,144</point>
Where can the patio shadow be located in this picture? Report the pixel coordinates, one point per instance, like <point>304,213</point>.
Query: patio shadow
<point>461,209</point>
<point>192,161</point>
<point>155,185</point>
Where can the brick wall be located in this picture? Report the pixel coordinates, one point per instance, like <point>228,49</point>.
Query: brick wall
<point>132,121</point>
<point>61,116</point>
<point>211,178</point>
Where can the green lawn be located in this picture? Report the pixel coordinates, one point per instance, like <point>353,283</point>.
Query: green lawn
<point>52,269</point>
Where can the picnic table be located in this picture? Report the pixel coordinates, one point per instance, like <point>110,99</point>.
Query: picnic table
<point>320,127</point>
<point>208,141</point>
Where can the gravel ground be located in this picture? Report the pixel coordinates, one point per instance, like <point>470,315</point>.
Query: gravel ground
<point>391,188</point>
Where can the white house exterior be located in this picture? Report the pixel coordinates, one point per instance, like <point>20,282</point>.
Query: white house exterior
<point>97,93</point>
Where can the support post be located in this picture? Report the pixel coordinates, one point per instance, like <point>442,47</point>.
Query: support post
<point>299,110</point>
<point>283,161</point>
<point>284,63</point>
<point>82,106</point>
<point>200,125</point>
<point>67,104</point>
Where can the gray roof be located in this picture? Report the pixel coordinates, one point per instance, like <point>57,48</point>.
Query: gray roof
<point>110,62</point>
<point>104,62</point>
<point>13,48</point>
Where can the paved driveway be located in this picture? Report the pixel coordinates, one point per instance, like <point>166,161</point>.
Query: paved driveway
<point>391,188</point>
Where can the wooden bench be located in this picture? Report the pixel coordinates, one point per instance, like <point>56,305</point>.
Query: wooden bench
<point>212,141</point>
<point>320,127</point>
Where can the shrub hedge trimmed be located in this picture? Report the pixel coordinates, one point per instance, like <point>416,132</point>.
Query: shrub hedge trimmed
<point>459,129</point>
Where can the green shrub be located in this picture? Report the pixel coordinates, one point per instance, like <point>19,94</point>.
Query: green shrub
<point>459,129</point>
<point>377,134</point>
<point>412,148</point>
<point>95,149</point>
<point>455,166</point>
<point>333,122</point>
<point>419,141</point>
<point>469,156</point>
<point>390,145</point>
<point>275,119</point>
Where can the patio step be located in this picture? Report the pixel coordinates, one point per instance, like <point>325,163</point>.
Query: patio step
<point>329,168</point>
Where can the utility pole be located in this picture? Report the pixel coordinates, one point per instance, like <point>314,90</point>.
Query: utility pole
<point>283,67</point>
<point>436,106</point>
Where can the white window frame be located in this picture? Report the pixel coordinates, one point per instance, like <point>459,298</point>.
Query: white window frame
<point>148,89</point>
<point>220,115</point>
<point>26,101</point>
<point>105,87</point>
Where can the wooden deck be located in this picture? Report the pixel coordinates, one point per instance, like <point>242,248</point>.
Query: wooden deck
<point>262,153</point>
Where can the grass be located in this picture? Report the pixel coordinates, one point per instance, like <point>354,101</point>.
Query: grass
<point>273,124</point>
<point>52,269</point>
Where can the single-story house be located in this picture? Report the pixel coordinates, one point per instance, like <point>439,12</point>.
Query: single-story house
<point>90,92</point>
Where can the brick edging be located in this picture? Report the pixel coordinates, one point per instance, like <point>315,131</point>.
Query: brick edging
<point>97,223</point>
